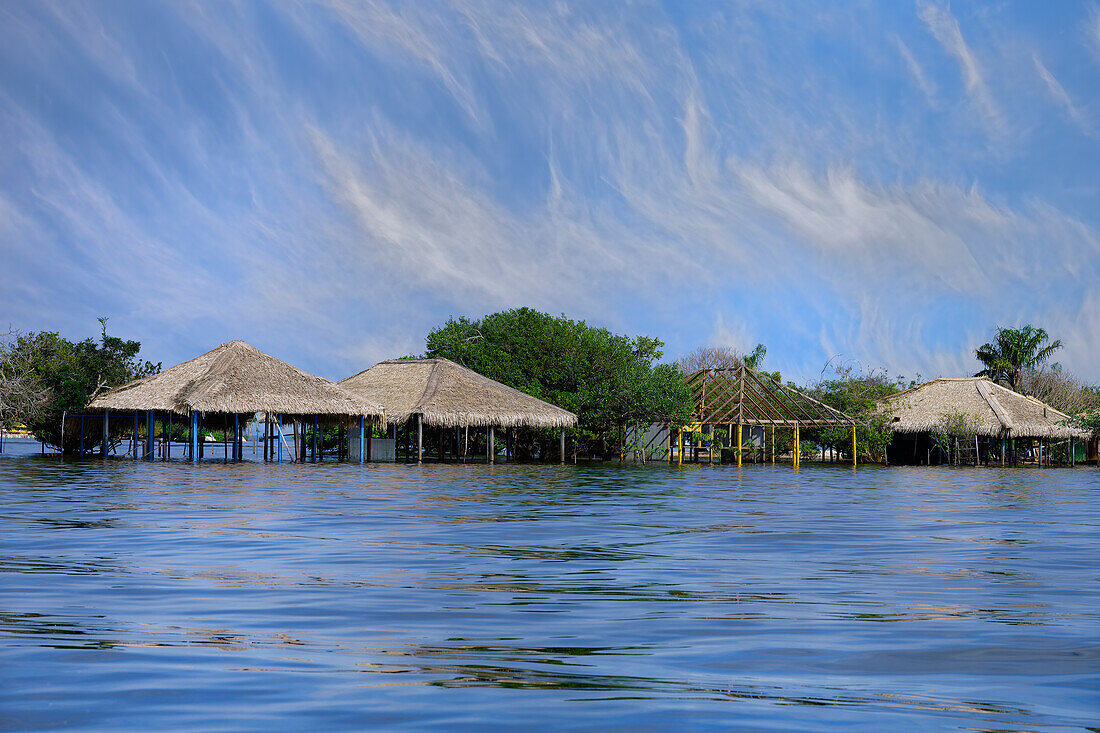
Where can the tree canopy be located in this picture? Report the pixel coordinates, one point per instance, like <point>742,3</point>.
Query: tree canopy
<point>608,380</point>
<point>1013,353</point>
<point>65,375</point>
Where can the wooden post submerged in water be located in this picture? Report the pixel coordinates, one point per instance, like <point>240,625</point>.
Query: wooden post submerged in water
<point>194,437</point>
<point>853,446</point>
<point>797,457</point>
<point>739,438</point>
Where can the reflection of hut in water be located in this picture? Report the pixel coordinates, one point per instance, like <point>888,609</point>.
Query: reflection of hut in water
<point>450,399</point>
<point>977,419</point>
<point>222,390</point>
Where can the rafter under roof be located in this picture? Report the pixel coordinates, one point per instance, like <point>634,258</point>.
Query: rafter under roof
<point>740,395</point>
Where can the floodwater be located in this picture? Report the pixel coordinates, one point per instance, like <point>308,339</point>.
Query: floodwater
<point>336,596</point>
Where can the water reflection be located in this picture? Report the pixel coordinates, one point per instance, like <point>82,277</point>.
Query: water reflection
<point>653,597</point>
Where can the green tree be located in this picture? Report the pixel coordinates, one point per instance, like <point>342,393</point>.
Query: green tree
<point>1015,352</point>
<point>857,393</point>
<point>608,380</point>
<point>69,374</point>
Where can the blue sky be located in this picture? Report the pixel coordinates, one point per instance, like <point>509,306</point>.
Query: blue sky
<point>878,183</point>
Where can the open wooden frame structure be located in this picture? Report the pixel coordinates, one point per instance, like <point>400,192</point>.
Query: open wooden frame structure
<point>739,396</point>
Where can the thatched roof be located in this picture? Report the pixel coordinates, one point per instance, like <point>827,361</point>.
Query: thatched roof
<point>237,378</point>
<point>998,412</point>
<point>449,395</point>
<point>746,397</point>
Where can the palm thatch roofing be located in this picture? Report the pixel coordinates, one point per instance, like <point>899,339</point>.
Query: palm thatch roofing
<point>745,396</point>
<point>238,378</point>
<point>449,395</point>
<point>993,410</point>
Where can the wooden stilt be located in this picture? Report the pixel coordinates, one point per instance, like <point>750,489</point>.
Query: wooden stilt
<point>419,438</point>
<point>279,440</point>
<point>773,445</point>
<point>490,448</point>
<point>797,447</point>
<point>853,446</point>
<point>103,447</point>
<point>739,444</point>
<point>680,446</point>
<point>194,437</point>
<point>562,444</point>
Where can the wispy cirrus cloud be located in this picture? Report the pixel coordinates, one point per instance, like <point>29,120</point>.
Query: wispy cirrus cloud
<point>333,180</point>
<point>1059,94</point>
<point>945,28</point>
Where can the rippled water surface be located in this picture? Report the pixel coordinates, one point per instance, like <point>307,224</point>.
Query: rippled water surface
<point>337,596</point>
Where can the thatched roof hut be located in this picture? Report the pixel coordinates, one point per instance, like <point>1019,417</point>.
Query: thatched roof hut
<point>449,395</point>
<point>238,378</point>
<point>997,412</point>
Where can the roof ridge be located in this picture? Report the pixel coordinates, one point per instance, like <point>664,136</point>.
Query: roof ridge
<point>994,404</point>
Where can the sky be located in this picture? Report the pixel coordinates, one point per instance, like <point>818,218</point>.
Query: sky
<point>875,184</point>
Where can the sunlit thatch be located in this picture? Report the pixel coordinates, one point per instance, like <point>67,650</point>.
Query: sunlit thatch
<point>449,395</point>
<point>237,378</point>
<point>996,411</point>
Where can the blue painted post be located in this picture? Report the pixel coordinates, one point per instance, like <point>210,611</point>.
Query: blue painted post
<point>315,437</point>
<point>279,440</point>
<point>194,437</point>
<point>236,437</point>
<point>1040,452</point>
<point>103,446</point>
<point>148,435</point>
<point>362,437</point>
<point>134,442</point>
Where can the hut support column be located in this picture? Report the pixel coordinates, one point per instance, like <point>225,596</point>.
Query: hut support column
<point>103,446</point>
<point>135,441</point>
<point>773,445</point>
<point>562,445</point>
<point>490,449</point>
<point>680,446</point>
<point>362,439</point>
<point>236,438</point>
<point>853,446</point>
<point>279,440</point>
<point>314,437</point>
<point>1072,450</point>
<point>1040,452</point>
<point>147,454</point>
<point>419,438</point>
<point>739,437</point>
<point>669,445</point>
<point>194,437</point>
<point>797,447</point>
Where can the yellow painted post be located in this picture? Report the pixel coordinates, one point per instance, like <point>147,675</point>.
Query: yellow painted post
<point>853,446</point>
<point>680,450</point>
<point>738,445</point>
<point>797,447</point>
<point>773,445</point>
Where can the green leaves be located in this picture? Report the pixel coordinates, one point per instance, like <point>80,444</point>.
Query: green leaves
<point>1013,352</point>
<point>608,380</point>
<point>69,374</point>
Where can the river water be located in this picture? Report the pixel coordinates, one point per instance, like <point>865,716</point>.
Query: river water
<point>340,596</point>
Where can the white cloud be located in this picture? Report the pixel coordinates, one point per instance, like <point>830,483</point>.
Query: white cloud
<point>927,86</point>
<point>945,28</point>
<point>1058,92</point>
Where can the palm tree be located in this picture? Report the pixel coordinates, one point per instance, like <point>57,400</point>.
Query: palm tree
<point>1013,353</point>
